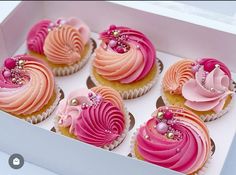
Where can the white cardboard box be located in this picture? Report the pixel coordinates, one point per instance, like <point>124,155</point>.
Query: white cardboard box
<point>170,31</point>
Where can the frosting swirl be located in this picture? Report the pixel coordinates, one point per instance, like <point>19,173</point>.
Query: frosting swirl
<point>64,45</point>
<point>26,86</point>
<point>100,125</point>
<point>37,36</point>
<point>185,150</point>
<point>208,91</point>
<point>177,75</point>
<point>125,55</point>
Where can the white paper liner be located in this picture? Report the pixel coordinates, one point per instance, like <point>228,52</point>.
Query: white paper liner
<point>63,71</point>
<point>134,93</point>
<point>116,142</point>
<point>205,118</point>
<point>132,145</point>
<point>40,117</point>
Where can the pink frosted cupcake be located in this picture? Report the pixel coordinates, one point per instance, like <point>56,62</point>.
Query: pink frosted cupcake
<point>125,61</point>
<point>204,87</point>
<point>95,116</point>
<point>174,138</point>
<point>27,88</point>
<point>65,45</point>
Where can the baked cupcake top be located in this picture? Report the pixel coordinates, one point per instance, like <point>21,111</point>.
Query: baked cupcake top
<point>205,84</point>
<point>26,85</point>
<point>125,55</point>
<point>174,138</point>
<point>62,42</point>
<point>93,116</point>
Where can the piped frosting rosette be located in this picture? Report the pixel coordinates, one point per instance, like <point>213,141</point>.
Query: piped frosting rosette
<point>125,56</point>
<point>66,44</point>
<point>173,138</point>
<point>27,88</point>
<point>97,117</point>
<point>204,86</point>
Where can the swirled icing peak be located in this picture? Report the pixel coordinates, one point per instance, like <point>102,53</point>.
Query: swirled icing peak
<point>177,75</point>
<point>174,138</point>
<point>26,85</point>
<point>125,55</point>
<point>37,36</point>
<point>94,116</point>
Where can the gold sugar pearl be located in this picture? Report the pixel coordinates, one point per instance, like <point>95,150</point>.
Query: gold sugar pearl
<point>160,115</point>
<point>21,62</point>
<point>74,102</point>
<point>170,135</point>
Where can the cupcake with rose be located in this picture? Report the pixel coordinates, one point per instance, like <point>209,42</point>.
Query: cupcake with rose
<point>126,61</point>
<point>204,86</point>
<point>174,138</point>
<point>95,116</point>
<point>65,44</point>
<point>27,88</point>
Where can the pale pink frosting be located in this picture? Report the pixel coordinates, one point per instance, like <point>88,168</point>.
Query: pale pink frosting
<point>132,65</point>
<point>64,45</point>
<point>210,95</point>
<point>100,125</point>
<point>186,155</point>
<point>35,92</point>
<point>177,75</point>
<point>37,36</point>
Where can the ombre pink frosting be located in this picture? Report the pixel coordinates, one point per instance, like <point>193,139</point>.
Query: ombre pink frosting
<point>37,36</point>
<point>186,155</point>
<point>98,124</point>
<point>35,91</point>
<point>125,57</point>
<point>210,95</point>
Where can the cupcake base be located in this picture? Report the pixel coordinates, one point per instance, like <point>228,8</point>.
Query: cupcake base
<point>46,111</point>
<point>131,90</point>
<point>65,131</point>
<point>206,116</point>
<point>63,70</point>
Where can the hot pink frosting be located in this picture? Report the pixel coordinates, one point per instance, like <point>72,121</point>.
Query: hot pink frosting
<point>125,55</point>
<point>187,154</point>
<point>210,94</point>
<point>37,36</point>
<point>97,117</point>
<point>100,125</point>
<point>33,90</point>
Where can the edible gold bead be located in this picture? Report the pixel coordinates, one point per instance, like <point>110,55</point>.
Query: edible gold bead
<point>170,135</point>
<point>74,102</point>
<point>160,115</point>
<point>21,62</point>
<point>115,33</point>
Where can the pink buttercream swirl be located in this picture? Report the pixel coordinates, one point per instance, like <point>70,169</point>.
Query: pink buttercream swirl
<point>26,85</point>
<point>37,36</point>
<point>187,154</point>
<point>100,125</point>
<point>125,55</point>
<point>209,90</point>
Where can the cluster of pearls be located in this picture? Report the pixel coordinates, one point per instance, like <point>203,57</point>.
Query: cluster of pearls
<point>117,40</point>
<point>57,24</point>
<point>94,98</point>
<point>13,70</point>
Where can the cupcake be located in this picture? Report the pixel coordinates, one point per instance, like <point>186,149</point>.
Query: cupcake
<point>174,138</point>
<point>27,88</point>
<point>204,87</point>
<point>97,117</point>
<point>65,45</point>
<point>125,61</point>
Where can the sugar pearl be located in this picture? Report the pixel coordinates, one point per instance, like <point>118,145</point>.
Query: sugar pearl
<point>10,63</point>
<point>162,128</point>
<point>168,115</point>
<point>7,73</point>
<point>112,43</point>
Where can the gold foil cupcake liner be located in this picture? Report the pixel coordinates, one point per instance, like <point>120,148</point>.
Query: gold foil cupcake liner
<point>132,153</point>
<point>68,70</point>
<point>116,142</point>
<point>209,117</point>
<point>134,93</point>
<point>41,117</point>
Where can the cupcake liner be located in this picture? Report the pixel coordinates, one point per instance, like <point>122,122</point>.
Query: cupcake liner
<point>209,117</point>
<point>134,93</point>
<point>132,145</point>
<point>63,71</point>
<point>116,142</point>
<point>40,117</point>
